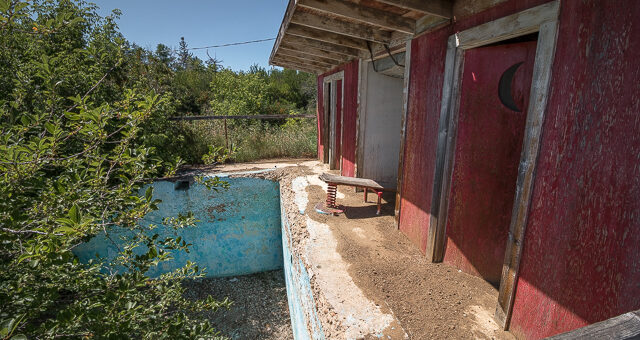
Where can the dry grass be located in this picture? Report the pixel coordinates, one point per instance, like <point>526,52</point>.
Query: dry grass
<point>255,140</point>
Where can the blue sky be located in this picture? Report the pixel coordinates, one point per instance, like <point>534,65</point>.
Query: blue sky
<point>202,23</point>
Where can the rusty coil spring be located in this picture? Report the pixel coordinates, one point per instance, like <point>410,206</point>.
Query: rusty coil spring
<point>332,190</point>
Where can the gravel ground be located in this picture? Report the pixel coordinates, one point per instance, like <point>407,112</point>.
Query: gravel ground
<point>259,309</point>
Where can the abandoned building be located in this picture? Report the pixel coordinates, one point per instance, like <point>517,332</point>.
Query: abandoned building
<point>509,130</point>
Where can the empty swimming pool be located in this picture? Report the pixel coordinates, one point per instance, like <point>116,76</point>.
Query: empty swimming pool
<point>238,230</point>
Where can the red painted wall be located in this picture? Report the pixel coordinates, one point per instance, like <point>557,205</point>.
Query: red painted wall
<point>582,248</point>
<point>425,90</point>
<point>428,53</point>
<point>349,112</point>
<point>350,118</point>
<point>487,155</point>
<point>581,256</point>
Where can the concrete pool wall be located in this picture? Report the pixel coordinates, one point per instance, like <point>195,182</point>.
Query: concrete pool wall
<point>238,233</point>
<point>302,307</point>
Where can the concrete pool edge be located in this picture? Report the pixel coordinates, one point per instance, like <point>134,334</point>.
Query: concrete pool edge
<point>302,308</point>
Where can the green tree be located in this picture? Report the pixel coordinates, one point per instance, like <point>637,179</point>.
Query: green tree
<point>237,93</point>
<point>74,108</point>
<point>184,56</point>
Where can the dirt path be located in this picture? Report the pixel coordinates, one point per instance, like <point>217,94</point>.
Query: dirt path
<point>431,301</point>
<point>259,309</point>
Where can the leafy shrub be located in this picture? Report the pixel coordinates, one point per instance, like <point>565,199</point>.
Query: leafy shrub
<point>73,156</point>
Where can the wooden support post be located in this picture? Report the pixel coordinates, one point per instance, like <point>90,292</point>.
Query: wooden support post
<point>226,137</point>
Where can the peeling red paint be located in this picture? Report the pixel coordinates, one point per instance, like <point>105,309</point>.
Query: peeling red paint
<point>428,53</point>
<point>350,117</point>
<point>487,154</point>
<point>425,89</point>
<point>581,257</point>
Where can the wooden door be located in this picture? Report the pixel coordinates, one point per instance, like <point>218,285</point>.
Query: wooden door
<point>494,94</point>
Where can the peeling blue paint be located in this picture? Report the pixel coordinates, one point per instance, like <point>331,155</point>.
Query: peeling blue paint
<point>302,307</point>
<point>239,231</point>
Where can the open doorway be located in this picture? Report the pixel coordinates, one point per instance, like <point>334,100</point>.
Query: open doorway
<point>380,119</point>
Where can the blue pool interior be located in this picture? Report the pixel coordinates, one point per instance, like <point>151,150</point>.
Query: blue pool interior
<point>238,233</point>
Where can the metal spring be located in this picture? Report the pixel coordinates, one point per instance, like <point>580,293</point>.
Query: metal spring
<point>332,190</point>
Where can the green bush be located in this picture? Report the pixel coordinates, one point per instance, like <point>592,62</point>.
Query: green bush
<point>73,156</point>
<point>251,141</point>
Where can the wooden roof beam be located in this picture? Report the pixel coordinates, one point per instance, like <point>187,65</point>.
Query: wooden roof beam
<point>439,8</point>
<point>360,13</point>
<point>305,42</point>
<point>329,37</point>
<point>315,51</point>
<point>294,52</point>
<point>285,57</point>
<point>340,28</point>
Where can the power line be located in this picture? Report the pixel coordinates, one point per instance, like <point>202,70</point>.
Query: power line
<point>231,44</point>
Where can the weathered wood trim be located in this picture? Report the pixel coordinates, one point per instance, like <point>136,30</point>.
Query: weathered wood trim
<point>359,125</point>
<point>525,22</point>
<point>625,326</point>
<point>332,124</point>
<point>323,45</point>
<point>439,8</point>
<point>364,14</point>
<point>403,129</point>
<point>542,19</point>
<point>334,76</point>
<point>545,54</point>
<point>447,131</point>
<point>362,115</point>
<point>342,28</point>
<point>283,27</point>
<point>325,122</point>
<point>332,80</point>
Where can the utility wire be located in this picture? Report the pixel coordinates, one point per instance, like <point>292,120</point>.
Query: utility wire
<point>230,44</point>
